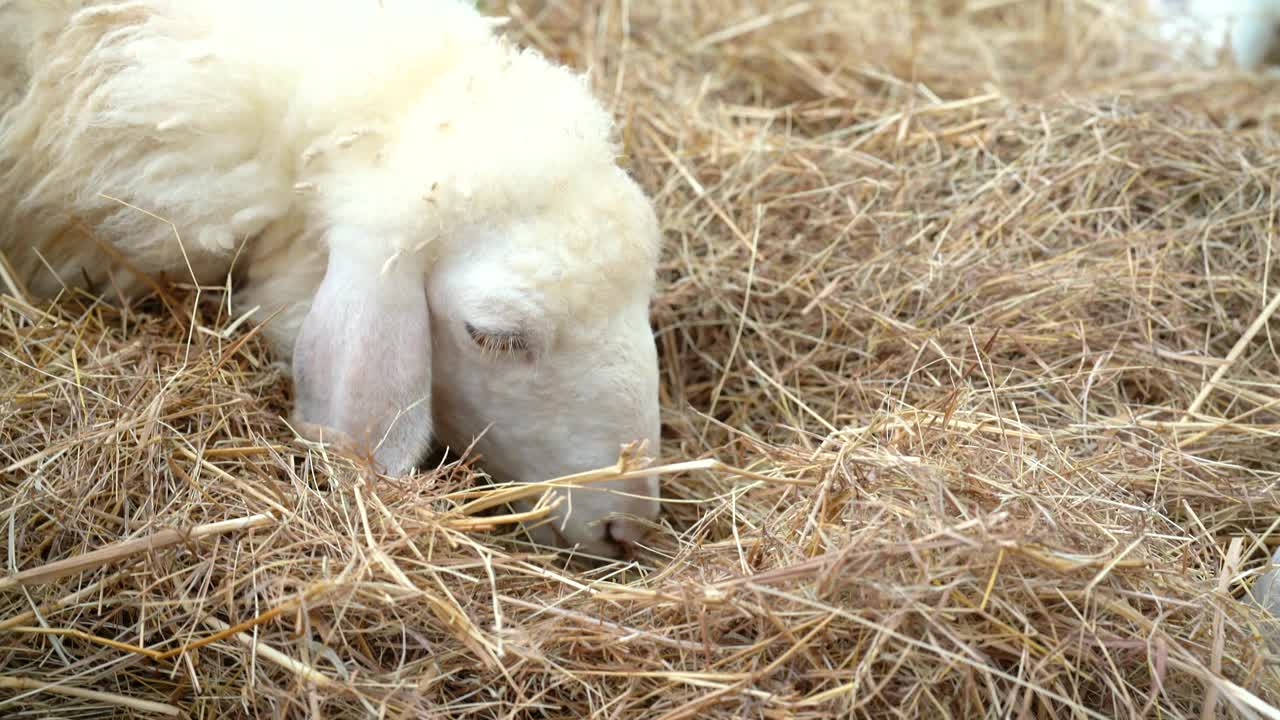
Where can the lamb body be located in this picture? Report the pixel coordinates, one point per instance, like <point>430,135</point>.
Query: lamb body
<point>438,215</point>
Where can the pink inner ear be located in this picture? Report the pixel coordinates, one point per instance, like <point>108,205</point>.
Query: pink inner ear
<point>362,362</point>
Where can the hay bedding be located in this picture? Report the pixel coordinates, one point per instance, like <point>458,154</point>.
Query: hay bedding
<point>976,300</point>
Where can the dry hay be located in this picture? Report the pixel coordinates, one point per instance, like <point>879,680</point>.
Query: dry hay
<point>978,300</point>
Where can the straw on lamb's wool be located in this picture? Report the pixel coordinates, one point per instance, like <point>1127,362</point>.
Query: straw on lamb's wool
<point>973,290</point>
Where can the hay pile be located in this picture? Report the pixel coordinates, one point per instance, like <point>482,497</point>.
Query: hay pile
<point>980,300</point>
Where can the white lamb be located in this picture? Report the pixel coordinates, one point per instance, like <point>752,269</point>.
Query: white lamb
<point>439,214</point>
<point>1206,27</point>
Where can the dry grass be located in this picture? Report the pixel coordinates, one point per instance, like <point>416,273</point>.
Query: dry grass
<point>979,300</point>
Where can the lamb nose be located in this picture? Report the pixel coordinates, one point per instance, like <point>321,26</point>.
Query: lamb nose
<point>625,532</point>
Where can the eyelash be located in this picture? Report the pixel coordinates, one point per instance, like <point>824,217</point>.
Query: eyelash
<point>497,343</point>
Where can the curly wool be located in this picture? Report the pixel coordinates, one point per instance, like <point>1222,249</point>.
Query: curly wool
<point>185,132</point>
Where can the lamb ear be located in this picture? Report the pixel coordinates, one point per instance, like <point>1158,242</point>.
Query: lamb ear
<point>362,361</point>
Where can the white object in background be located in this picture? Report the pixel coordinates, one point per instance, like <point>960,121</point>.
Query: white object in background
<point>1206,27</point>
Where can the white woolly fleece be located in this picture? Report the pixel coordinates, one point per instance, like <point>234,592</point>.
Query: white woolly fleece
<point>266,122</point>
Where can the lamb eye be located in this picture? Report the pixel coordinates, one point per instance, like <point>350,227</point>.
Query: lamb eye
<point>497,341</point>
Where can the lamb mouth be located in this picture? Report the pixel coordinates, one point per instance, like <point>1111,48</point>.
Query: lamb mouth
<point>608,550</point>
<point>619,551</point>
